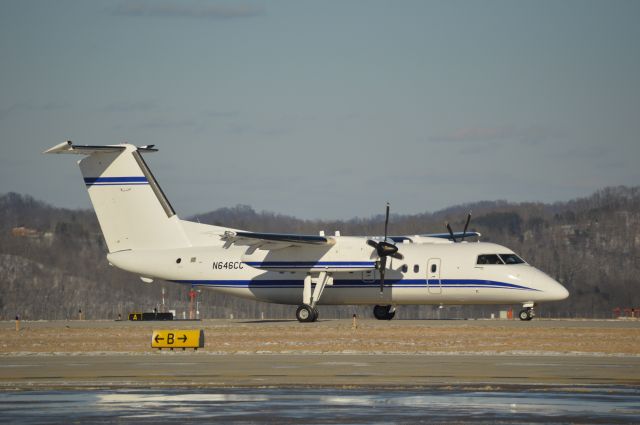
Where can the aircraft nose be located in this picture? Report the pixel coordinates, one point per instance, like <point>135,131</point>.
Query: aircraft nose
<point>557,291</point>
<point>551,290</point>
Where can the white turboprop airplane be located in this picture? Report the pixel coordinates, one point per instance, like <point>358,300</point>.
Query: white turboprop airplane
<point>145,236</point>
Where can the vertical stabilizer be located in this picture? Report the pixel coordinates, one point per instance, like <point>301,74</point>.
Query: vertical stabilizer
<point>132,210</point>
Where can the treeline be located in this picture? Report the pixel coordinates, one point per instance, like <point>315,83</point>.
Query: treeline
<point>591,245</point>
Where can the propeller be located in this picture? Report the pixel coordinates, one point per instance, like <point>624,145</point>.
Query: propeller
<point>464,233</point>
<point>451,232</point>
<point>384,249</point>
<point>466,226</point>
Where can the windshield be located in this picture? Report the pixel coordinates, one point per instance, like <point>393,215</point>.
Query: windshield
<point>489,259</point>
<point>511,259</point>
<point>499,259</point>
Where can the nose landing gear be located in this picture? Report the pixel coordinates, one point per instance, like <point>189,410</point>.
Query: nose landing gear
<point>526,313</point>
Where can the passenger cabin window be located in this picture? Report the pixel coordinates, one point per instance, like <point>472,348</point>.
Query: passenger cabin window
<point>405,268</point>
<point>434,268</point>
<point>489,259</point>
<point>416,268</point>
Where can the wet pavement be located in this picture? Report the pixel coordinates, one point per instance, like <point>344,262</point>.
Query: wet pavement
<point>532,404</point>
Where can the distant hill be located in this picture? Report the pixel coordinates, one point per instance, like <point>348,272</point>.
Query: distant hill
<point>52,260</point>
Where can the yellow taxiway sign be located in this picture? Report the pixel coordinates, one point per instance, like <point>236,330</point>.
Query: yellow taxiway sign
<point>176,338</point>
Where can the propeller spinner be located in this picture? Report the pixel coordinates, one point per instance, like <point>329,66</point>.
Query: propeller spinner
<point>384,249</point>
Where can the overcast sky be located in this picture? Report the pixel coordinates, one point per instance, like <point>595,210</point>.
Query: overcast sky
<point>326,109</point>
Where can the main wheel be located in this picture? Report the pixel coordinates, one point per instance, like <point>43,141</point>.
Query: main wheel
<point>305,313</point>
<point>383,312</point>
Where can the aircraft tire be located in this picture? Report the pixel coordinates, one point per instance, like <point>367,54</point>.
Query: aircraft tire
<point>305,314</point>
<point>383,312</point>
<point>525,314</point>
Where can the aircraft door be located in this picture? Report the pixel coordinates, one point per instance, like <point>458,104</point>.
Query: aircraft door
<point>433,276</point>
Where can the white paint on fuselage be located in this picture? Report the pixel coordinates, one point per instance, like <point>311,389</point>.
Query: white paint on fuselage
<point>460,280</point>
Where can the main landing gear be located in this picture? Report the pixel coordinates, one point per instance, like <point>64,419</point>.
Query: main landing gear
<point>384,312</point>
<point>527,312</point>
<point>308,312</point>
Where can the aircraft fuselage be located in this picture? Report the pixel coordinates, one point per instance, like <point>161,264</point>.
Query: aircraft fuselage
<point>443,273</point>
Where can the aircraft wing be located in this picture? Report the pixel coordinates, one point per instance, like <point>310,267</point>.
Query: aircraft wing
<point>458,235</point>
<point>274,240</point>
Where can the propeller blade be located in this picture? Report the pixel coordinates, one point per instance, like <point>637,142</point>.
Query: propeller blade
<point>451,232</point>
<point>398,256</point>
<point>386,223</point>
<point>383,267</point>
<point>466,226</point>
<point>386,248</point>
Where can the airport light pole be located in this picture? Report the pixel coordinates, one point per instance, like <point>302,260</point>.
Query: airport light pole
<point>163,307</point>
<point>198,304</point>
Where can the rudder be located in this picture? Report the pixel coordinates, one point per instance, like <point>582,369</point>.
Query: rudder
<point>132,210</point>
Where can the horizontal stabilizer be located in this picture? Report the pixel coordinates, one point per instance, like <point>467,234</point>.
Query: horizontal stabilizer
<point>69,147</point>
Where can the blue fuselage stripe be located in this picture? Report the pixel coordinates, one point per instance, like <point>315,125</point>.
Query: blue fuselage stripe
<point>307,264</point>
<point>346,283</point>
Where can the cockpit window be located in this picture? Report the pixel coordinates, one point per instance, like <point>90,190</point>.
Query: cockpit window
<point>511,259</point>
<point>489,259</point>
<point>499,259</point>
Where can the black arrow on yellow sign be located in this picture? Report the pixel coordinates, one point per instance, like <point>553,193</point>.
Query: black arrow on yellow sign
<point>181,338</point>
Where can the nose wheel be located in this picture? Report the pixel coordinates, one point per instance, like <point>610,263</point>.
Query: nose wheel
<point>526,313</point>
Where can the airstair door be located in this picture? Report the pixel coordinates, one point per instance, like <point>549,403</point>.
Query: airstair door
<point>433,276</point>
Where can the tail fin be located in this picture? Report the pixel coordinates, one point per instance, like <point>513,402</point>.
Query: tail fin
<point>132,210</point>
